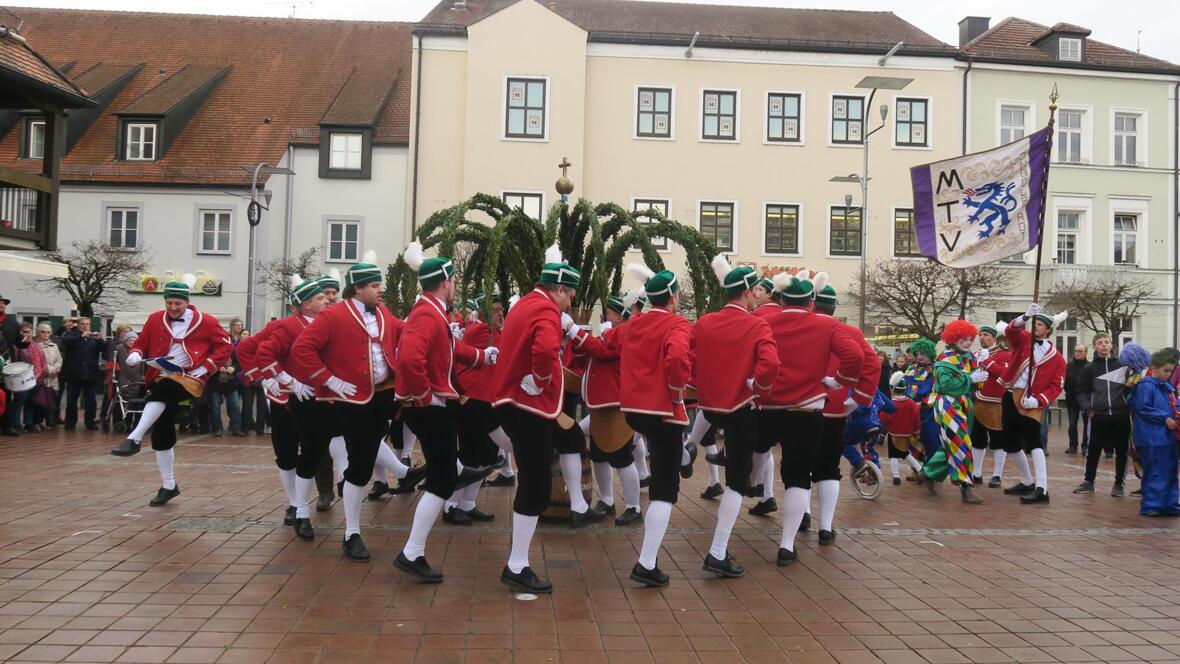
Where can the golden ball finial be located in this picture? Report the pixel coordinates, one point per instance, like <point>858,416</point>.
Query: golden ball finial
<point>564,185</point>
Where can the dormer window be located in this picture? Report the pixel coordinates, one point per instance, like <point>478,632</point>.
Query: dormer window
<point>140,139</point>
<point>34,140</point>
<point>1069,49</point>
<point>346,151</point>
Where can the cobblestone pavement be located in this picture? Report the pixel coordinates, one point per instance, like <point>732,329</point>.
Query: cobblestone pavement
<point>90,573</point>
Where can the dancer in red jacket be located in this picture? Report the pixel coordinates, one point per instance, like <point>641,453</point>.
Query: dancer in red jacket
<point>734,358</point>
<point>987,431</point>
<point>183,348</point>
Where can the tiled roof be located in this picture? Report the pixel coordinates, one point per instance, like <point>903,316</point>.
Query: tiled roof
<point>285,75</point>
<point>361,98</point>
<point>662,22</point>
<point>22,62</point>
<point>1011,40</point>
<point>174,89</point>
<point>98,77</point>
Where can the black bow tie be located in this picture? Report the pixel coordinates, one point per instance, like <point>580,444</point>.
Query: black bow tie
<point>371,310</point>
<point>176,320</point>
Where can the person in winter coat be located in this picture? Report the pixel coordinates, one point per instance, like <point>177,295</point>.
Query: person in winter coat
<point>1103,400</point>
<point>1153,416</point>
<point>82,350</point>
<point>53,364</point>
<point>32,354</point>
<point>1073,387</point>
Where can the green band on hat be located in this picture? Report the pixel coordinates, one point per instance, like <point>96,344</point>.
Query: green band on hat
<point>827,296</point>
<point>176,290</point>
<point>361,274</point>
<point>305,291</point>
<point>739,280</point>
<point>1046,319</point>
<point>328,281</point>
<point>766,284</point>
<point>660,288</point>
<point>562,274</point>
<point>799,292</point>
<point>615,304</point>
<point>990,329</point>
<point>434,271</point>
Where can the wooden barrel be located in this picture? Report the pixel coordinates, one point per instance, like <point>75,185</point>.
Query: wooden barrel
<point>559,500</point>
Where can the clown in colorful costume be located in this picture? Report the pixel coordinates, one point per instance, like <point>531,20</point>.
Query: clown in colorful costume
<point>919,385</point>
<point>955,374</point>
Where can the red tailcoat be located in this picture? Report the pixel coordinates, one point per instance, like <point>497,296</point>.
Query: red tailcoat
<point>1048,375</point>
<point>903,422</point>
<point>600,380</point>
<point>729,347</point>
<point>656,364</point>
<point>427,352</point>
<point>478,382</point>
<point>806,343</point>
<point>866,386</point>
<point>205,342</point>
<point>768,309</point>
<point>337,343</point>
<point>531,344</point>
<point>271,350</point>
<point>996,365</point>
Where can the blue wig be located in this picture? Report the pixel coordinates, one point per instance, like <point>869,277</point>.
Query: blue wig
<point>1135,357</point>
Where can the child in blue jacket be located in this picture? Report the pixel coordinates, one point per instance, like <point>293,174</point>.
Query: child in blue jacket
<point>863,427</point>
<point>1153,420</point>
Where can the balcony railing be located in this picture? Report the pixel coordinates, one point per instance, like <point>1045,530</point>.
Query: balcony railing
<point>18,208</point>
<point>22,219</point>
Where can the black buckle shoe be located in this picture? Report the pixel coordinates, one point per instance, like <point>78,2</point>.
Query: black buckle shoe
<point>354,548</point>
<point>652,578</point>
<point>604,508</point>
<point>476,514</point>
<point>413,478</point>
<point>628,517</point>
<point>1037,495</point>
<point>686,470</point>
<point>164,495</point>
<point>763,507</point>
<point>526,581</point>
<point>712,491</point>
<point>727,568</point>
<point>994,482</point>
<point>471,475</point>
<point>303,530</point>
<point>827,536</point>
<point>501,480</point>
<point>289,516</point>
<point>897,481</point>
<point>379,489</point>
<point>591,515</point>
<point>456,516</point>
<point>1019,489</point>
<point>786,557</point>
<point>717,458</point>
<point>756,491</point>
<point>417,568</point>
<point>805,524</point>
<point>126,448</point>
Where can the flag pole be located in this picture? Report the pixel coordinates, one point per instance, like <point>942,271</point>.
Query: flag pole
<point>1036,294</point>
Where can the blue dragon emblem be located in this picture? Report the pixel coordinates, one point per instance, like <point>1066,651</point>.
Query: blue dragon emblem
<point>995,202</point>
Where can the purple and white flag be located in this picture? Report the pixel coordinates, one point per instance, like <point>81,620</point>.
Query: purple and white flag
<point>982,207</point>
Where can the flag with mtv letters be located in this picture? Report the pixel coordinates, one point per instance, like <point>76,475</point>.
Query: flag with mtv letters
<point>982,207</point>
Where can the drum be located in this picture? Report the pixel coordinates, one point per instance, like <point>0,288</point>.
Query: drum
<point>608,427</point>
<point>573,382</point>
<point>193,386</point>
<point>18,377</point>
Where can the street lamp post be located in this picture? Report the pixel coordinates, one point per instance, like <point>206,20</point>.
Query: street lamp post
<point>254,216</point>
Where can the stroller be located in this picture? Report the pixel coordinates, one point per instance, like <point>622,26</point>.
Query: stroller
<point>129,401</point>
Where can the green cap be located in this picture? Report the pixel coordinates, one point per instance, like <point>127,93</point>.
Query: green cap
<point>661,287</point>
<point>176,290</point>
<point>734,280</point>
<point>766,284</point>
<point>827,295</point>
<point>434,271</point>
<point>799,289</point>
<point>990,329</point>
<point>303,290</point>
<point>557,270</point>
<point>615,304</point>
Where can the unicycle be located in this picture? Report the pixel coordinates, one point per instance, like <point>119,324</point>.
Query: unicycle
<point>867,480</point>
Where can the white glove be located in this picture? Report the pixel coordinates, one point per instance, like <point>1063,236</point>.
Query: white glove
<point>302,392</point>
<point>342,389</point>
<point>284,378</point>
<point>750,384</point>
<point>573,331</point>
<point>473,317</point>
<point>1030,403</point>
<point>567,321</point>
<point>983,354</point>
<point>491,354</point>
<point>849,405</point>
<point>456,331</point>
<point>271,386</point>
<point>133,359</point>
<point>530,386</point>
<point>1033,310</point>
<point>198,372</point>
<point>979,376</point>
<point>831,383</point>
<point>606,325</point>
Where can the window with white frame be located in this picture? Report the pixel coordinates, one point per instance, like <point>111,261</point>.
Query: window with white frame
<point>28,217</point>
<point>1066,336</point>
<point>781,231</point>
<point>911,122</point>
<point>659,205</point>
<point>1069,137</point>
<point>1126,236</point>
<point>1013,123</point>
<point>844,231</point>
<point>716,224</point>
<point>719,115</point>
<point>783,117</point>
<point>1069,223</point>
<point>530,203</point>
<point>1126,139</point>
<point>905,234</point>
<point>215,232</point>
<point>141,141</point>
<point>1128,331</point>
<point>346,151</point>
<point>526,105</point>
<point>653,113</point>
<point>344,241</point>
<point>1069,49</point>
<point>848,118</point>
<point>123,227</point>
<point>34,147</point>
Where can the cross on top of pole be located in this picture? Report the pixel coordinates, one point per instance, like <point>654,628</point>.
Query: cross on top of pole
<point>564,166</point>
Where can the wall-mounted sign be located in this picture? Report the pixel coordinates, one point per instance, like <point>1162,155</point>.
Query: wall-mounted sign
<point>771,270</point>
<point>152,283</point>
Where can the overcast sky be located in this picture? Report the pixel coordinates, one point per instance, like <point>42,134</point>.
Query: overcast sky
<point>1153,23</point>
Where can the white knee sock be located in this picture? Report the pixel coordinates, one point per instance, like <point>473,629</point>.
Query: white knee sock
<point>829,493</point>
<point>1041,468</point>
<point>1000,456</point>
<point>339,453</point>
<point>655,524</point>
<point>353,495</point>
<point>757,468</point>
<point>429,507</point>
<point>152,411</point>
<point>584,425</point>
<point>408,440</point>
<point>909,458</point>
<point>977,456</point>
<point>379,472</point>
<point>287,477</point>
<point>470,493</point>
<point>502,441</point>
<point>571,471</point>
<point>795,503</point>
<point>387,460</point>
<point>303,488</point>
<point>895,467</point>
<point>768,477</point>
<point>1022,467</point>
<point>523,528</point>
<point>700,427</point>
<point>685,459</point>
<point>629,479</point>
<point>808,510</point>
<point>506,470</point>
<point>714,472</point>
<point>164,460</point>
<point>606,487</point>
<point>640,456</point>
<point>727,514</point>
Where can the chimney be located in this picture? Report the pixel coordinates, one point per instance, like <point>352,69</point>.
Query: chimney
<point>971,27</point>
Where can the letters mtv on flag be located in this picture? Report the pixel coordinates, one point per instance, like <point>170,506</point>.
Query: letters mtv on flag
<point>982,207</point>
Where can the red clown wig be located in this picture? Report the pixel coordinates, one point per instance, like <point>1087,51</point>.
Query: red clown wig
<point>958,329</point>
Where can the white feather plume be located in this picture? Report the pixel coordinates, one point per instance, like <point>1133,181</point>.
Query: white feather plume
<point>631,297</point>
<point>639,271</point>
<point>335,274</point>
<point>721,267</point>
<point>802,274</point>
<point>189,279</point>
<point>819,280</point>
<point>553,254</point>
<point>369,257</point>
<point>781,281</point>
<point>1059,319</point>
<point>1001,328</point>
<point>295,280</point>
<point>897,379</point>
<point>413,255</point>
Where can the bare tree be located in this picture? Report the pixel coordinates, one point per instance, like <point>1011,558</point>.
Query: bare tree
<point>1103,299</point>
<point>920,296</point>
<point>275,274</point>
<point>98,274</point>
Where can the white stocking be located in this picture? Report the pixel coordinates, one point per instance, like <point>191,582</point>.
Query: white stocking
<point>700,427</point>
<point>571,471</point>
<point>829,493</point>
<point>768,477</point>
<point>429,507</point>
<point>655,524</point>
<point>339,453</point>
<point>606,487</point>
<point>287,477</point>
<point>152,411</point>
<point>353,495</point>
<point>1022,468</point>
<point>523,528</point>
<point>584,425</point>
<point>470,493</point>
<point>977,456</point>
<point>502,441</point>
<point>1041,467</point>
<point>408,439</point>
<point>640,456</point>
<point>387,460</point>
<point>303,488</point>
<point>1000,456</point>
<point>629,479</point>
<point>795,503</point>
<point>895,467</point>
<point>714,473</point>
<point>727,514</point>
<point>164,460</point>
<point>909,458</point>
